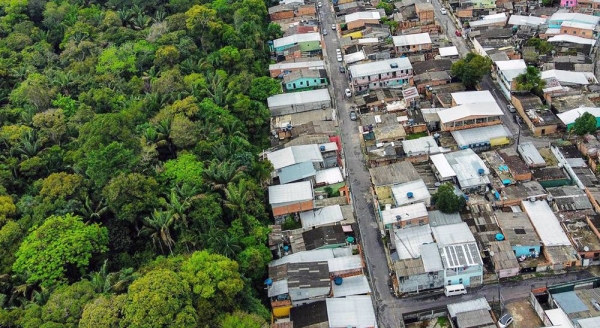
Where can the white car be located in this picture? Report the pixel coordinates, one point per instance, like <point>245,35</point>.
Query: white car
<point>339,58</point>
<point>338,51</point>
<point>505,320</point>
<point>443,11</point>
<point>348,93</point>
<point>333,27</point>
<point>320,4</point>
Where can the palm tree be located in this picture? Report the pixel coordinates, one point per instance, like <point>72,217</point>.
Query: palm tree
<point>28,146</point>
<point>237,197</point>
<point>261,171</point>
<point>178,206</point>
<point>220,174</point>
<point>91,212</point>
<point>158,227</point>
<point>107,282</point>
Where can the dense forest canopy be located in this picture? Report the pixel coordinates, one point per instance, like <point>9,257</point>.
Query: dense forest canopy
<point>131,191</point>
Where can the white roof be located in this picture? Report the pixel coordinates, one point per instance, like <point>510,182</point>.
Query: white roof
<point>566,76</point>
<point>329,146</point>
<point>419,191</point>
<point>301,64</point>
<point>559,318</point>
<point>411,39</point>
<point>530,153</point>
<point>379,67</point>
<point>476,304</point>
<point>576,17</point>
<point>467,164</point>
<point>423,145</point>
<point>297,98</point>
<point>405,213</point>
<point>569,117</point>
<point>295,38</point>
<point>545,223</point>
<point>344,263</point>
<point>593,322</point>
<point>362,15</point>
<point>489,20</point>
<point>279,287</point>
<point>472,97</point>
<point>355,285</point>
<point>355,57</point>
<point>294,155</point>
<point>585,26</point>
<point>448,51</point>
<point>329,176</point>
<point>467,137</point>
<point>504,65</point>
<point>322,216</point>
<point>351,311</point>
<point>368,40</point>
<point>409,240</point>
<point>430,255</point>
<point>526,20</point>
<point>442,165</point>
<point>572,39</point>
<point>450,234</point>
<point>463,111</point>
<point>290,192</point>
<point>306,256</point>
<point>552,31</point>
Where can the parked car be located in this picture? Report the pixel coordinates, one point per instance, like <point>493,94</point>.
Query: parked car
<point>458,33</point>
<point>505,320</point>
<point>324,32</point>
<point>338,51</point>
<point>339,58</point>
<point>353,116</point>
<point>320,4</point>
<point>333,27</point>
<point>511,109</point>
<point>342,69</point>
<point>348,93</point>
<point>443,11</point>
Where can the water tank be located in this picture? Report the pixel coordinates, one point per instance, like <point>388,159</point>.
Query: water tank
<point>586,249</point>
<point>436,135</point>
<point>350,239</point>
<point>322,148</point>
<point>286,248</point>
<point>410,194</point>
<point>499,237</point>
<point>481,171</point>
<point>289,126</point>
<point>338,281</point>
<point>269,282</point>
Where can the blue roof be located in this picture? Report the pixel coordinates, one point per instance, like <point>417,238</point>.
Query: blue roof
<point>570,302</point>
<point>296,172</point>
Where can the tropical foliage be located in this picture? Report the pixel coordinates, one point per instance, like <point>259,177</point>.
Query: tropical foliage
<point>131,193</point>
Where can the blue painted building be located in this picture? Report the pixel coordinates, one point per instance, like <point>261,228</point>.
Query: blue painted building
<point>305,79</point>
<point>519,232</point>
<point>556,20</point>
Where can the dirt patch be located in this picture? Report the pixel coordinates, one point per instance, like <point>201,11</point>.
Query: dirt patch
<point>523,314</point>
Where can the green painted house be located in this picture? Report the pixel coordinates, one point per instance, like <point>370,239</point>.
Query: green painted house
<point>305,42</point>
<point>305,79</point>
<point>569,117</point>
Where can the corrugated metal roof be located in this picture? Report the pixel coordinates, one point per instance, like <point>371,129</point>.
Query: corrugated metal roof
<point>460,255</point>
<point>296,172</point>
<point>476,318</point>
<point>473,305</point>
<point>321,216</point>
<point>526,20</point>
<point>467,137</point>
<point>296,65</point>
<point>585,26</point>
<point>362,15</point>
<point>294,155</point>
<point>355,57</point>
<point>589,322</point>
<point>296,38</point>
<point>409,241</point>
<point>442,166</point>
<point>569,302</point>
<point>463,111</point>
<point>452,234</point>
<point>329,176</point>
<point>472,97</point>
<point>291,192</point>
<point>566,76</point>
<point>411,39</point>
<point>437,218</point>
<point>423,145</point>
<point>467,164</point>
<point>379,67</point>
<point>558,318</point>
<point>545,223</point>
<point>303,257</point>
<point>572,39</point>
<point>351,311</point>
<point>355,285</point>
<point>298,98</point>
<point>569,117</point>
<point>576,17</point>
<point>279,287</point>
<point>432,260</point>
<point>530,154</point>
<point>419,191</point>
<point>448,51</point>
<point>344,263</point>
<point>405,213</point>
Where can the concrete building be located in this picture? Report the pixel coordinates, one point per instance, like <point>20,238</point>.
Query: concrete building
<point>460,254</point>
<point>384,177</point>
<point>412,43</point>
<point>298,102</point>
<point>539,119</point>
<point>506,71</point>
<point>420,273</point>
<point>411,193</point>
<point>471,172</point>
<point>405,216</point>
<point>291,198</point>
<point>305,79</point>
<point>309,43</point>
<point>360,19</point>
<point>519,232</point>
<point>390,73</point>
<point>285,67</point>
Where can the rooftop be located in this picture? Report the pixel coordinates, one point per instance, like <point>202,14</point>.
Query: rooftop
<point>298,98</point>
<point>409,240</point>
<point>566,77</point>
<point>452,234</point>
<point>404,213</point>
<point>515,164</point>
<point>351,311</point>
<point>291,192</point>
<point>582,235</point>
<point>355,285</point>
<point>411,39</point>
<point>476,318</point>
<point>468,166</point>
<point>314,117</point>
<point>379,67</point>
<point>561,254</point>
<point>460,255</point>
<point>443,166</point>
<point>296,38</point>
<point>296,172</point>
<point>477,304</point>
<point>432,66</point>
<point>517,228</point>
<point>411,192</point>
<point>473,97</point>
<point>437,218</point>
<point>409,267</point>
<point>329,176</point>
<point>549,174</point>
<point>545,223</point>
<point>345,263</point>
<point>309,314</point>
<point>504,257</point>
<point>468,137</point>
<point>522,191</point>
<point>295,155</point>
<point>526,20</point>
<point>308,275</point>
<point>569,117</point>
<point>574,17</point>
<point>430,255</point>
<point>569,198</point>
<point>395,173</point>
<point>296,64</point>
<point>571,39</point>
<point>312,256</point>
<point>324,236</point>
<point>362,15</point>
<point>304,73</point>
<point>530,154</point>
<point>470,110</point>
<point>322,216</point>
<point>423,145</point>
<point>569,102</point>
<point>448,51</point>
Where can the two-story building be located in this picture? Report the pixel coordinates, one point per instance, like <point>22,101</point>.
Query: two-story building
<point>557,19</point>
<point>390,73</point>
<point>518,231</point>
<point>296,45</point>
<point>412,43</point>
<point>360,19</point>
<point>583,30</point>
<point>411,192</point>
<point>506,71</point>
<point>425,12</point>
<point>286,67</point>
<point>405,216</point>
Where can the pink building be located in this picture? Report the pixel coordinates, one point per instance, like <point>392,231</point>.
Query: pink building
<point>568,3</point>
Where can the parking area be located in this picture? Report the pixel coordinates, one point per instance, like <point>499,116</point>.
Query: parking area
<point>524,315</point>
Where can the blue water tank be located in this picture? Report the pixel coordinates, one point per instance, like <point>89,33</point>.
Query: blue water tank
<point>410,194</point>
<point>269,282</point>
<point>349,239</point>
<point>481,171</point>
<point>338,281</point>
<point>496,195</point>
<point>322,148</point>
<point>499,237</point>
<point>506,182</point>
<point>286,248</point>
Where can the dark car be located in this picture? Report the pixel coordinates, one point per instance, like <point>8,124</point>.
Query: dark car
<point>342,69</point>
<point>353,116</point>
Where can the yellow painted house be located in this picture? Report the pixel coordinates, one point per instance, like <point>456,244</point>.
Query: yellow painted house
<point>384,177</point>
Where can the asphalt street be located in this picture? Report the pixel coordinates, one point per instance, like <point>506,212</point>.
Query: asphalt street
<point>388,308</point>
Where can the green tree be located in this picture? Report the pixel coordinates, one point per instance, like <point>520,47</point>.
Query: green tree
<point>530,80</point>
<point>130,196</point>
<point>65,306</point>
<point>104,311</point>
<point>239,319</point>
<point>446,200</point>
<point>264,87</point>
<point>11,234</point>
<point>60,249</point>
<point>584,124</point>
<point>112,159</point>
<point>471,69</point>
<point>186,168</point>
<point>161,298</point>
<point>388,7</point>
<point>542,46</point>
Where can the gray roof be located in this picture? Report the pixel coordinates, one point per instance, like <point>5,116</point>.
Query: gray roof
<point>409,240</point>
<point>570,198</point>
<point>294,155</point>
<point>569,302</point>
<point>476,304</point>
<point>460,255</point>
<point>530,154</point>
<point>420,192</point>
<point>503,257</point>
<point>296,172</point>
<point>423,145</point>
<point>290,193</point>
<point>517,228</point>
<point>466,164</point>
<point>345,263</point>
<point>437,218</point>
<point>396,173</point>
<point>296,38</point>
<point>467,137</point>
<point>452,234</point>
<point>593,322</point>
<point>308,275</point>
<point>379,67</point>
<point>351,311</point>
<point>546,223</point>
<point>409,267</point>
<point>310,256</point>
<point>321,216</point>
<point>323,236</point>
<point>298,98</point>
<point>279,287</point>
<point>476,318</point>
<point>432,260</point>
<point>355,285</point>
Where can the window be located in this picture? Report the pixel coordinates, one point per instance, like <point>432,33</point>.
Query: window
<point>301,82</point>
<point>449,282</point>
<point>460,281</point>
<point>531,250</point>
<point>574,32</point>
